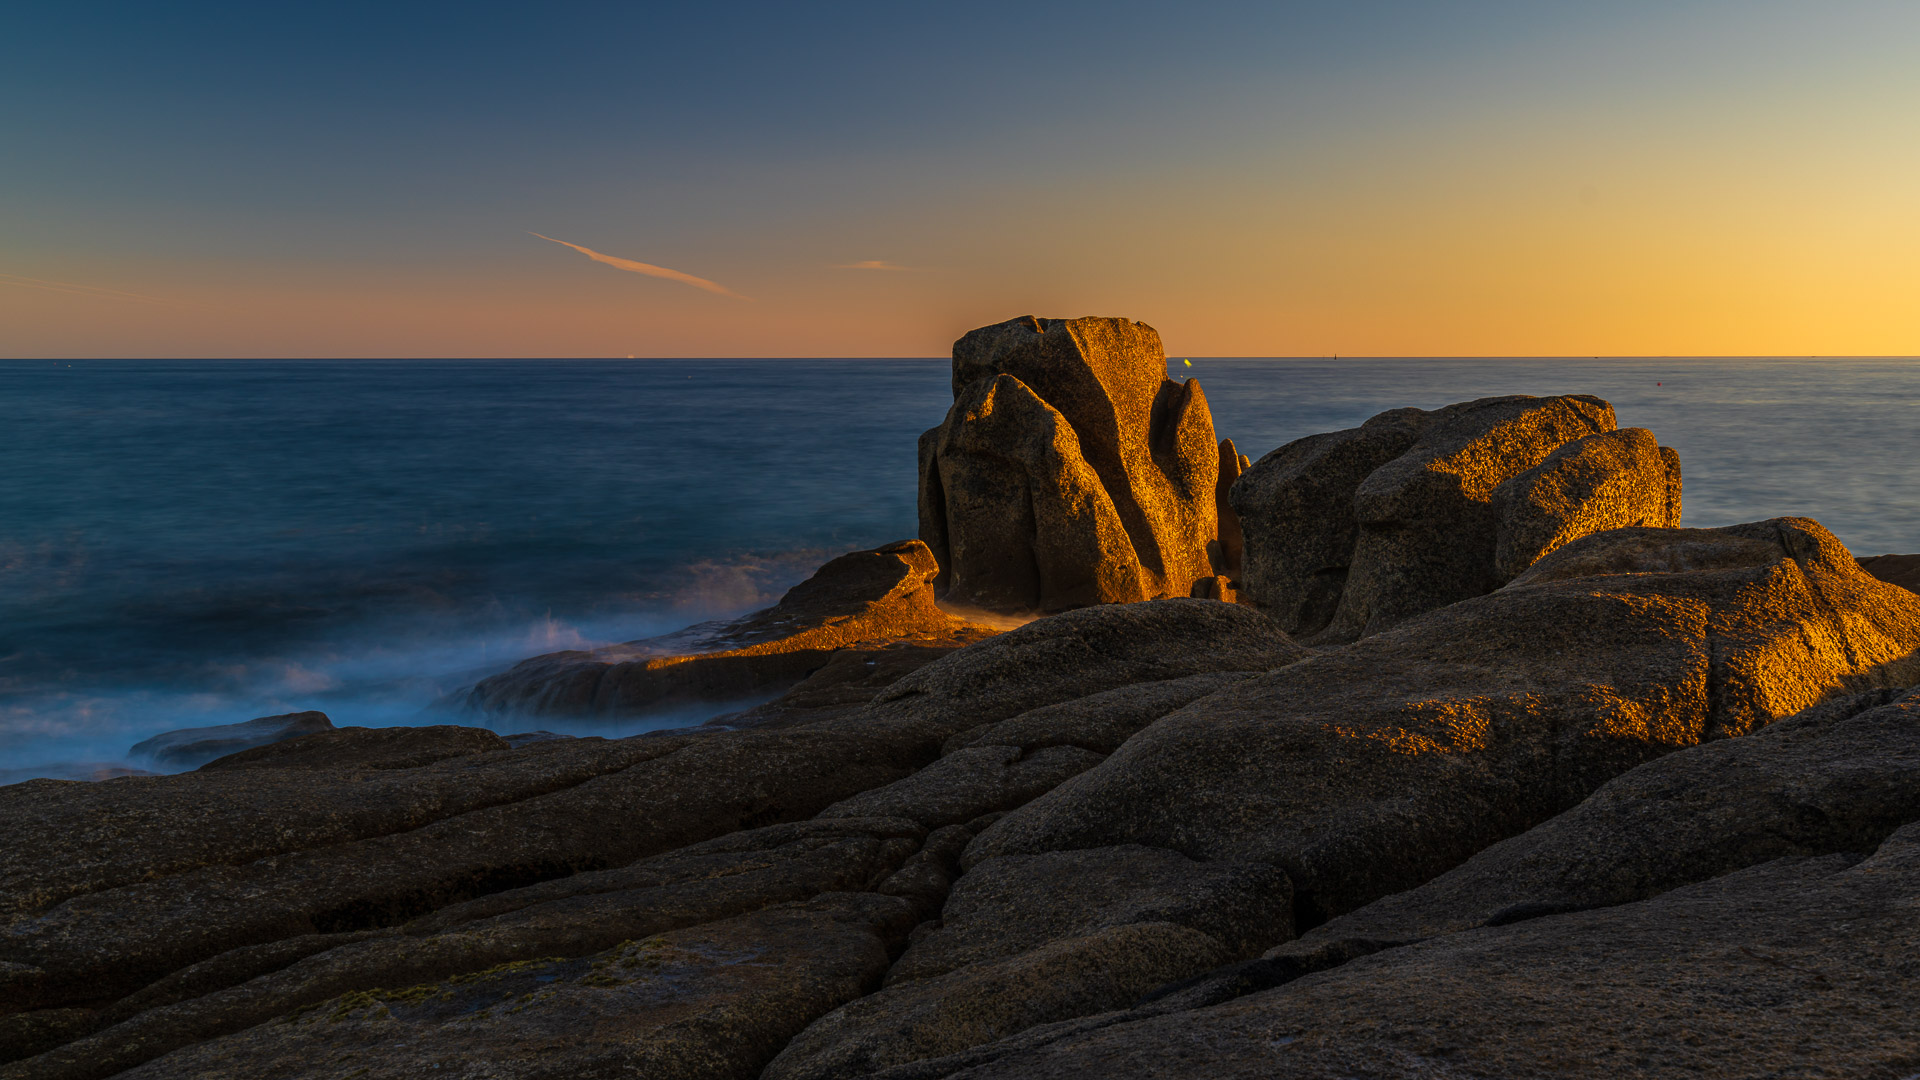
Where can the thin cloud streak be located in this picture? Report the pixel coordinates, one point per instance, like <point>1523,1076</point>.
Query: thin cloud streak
<point>73,289</point>
<point>648,269</point>
<point>872,264</point>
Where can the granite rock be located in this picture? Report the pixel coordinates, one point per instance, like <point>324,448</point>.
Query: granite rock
<point>1070,470</point>
<point>190,747</point>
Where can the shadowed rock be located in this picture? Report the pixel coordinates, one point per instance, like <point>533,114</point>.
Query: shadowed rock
<point>1351,532</point>
<point>189,747</point>
<point>1901,570</point>
<point>1759,972</point>
<point>1367,770</point>
<point>715,1000</point>
<point>1070,470</point>
<point>864,601</point>
<point>1839,777</point>
<point>367,748</point>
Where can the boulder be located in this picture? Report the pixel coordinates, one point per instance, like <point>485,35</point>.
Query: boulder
<point>191,747</point>
<point>1370,769</point>
<point>865,601</point>
<point>1797,963</point>
<point>1901,570</point>
<point>1070,470</point>
<point>1352,532</point>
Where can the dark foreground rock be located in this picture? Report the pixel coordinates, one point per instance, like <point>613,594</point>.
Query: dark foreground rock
<point>1796,967</point>
<point>860,605</point>
<point>190,747</point>
<point>1070,470</point>
<point>1352,532</point>
<point>891,889</point>
<point>1901,570</point>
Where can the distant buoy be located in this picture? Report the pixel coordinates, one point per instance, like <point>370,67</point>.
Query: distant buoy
<point>1189,363</point>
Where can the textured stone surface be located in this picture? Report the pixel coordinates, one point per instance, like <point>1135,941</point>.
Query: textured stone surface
<point>1901,570</point>
<point>1352,532</point>
<point>1839,777</point>
<point>1616,480</point>
<point>1070,470</point>
<point>1004,907</point>
<point>965,784</point>
<point>1098,722</point>
<point>865,601</point>
<point>1104,970</point>
<point>714,1001</point>
<point>189,747</point>
<point>1796,967</point>
<point>1367,770</point>
<point>1070,656</point>
<point>367,748</point>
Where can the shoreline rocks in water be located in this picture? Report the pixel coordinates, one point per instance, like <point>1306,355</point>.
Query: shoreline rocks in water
<point>1581,796</point>
<point>864,602</point>
<point>916,904</point>
<point>190,747</point>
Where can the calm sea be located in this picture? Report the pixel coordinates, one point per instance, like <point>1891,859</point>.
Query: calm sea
<point>189,543</point>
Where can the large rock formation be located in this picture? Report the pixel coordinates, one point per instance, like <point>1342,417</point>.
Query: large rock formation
<point>1354,531</point>
<point>873,605</point>
<point>886,890</point>
<point>1070,470</point>
<point>1369,769</point>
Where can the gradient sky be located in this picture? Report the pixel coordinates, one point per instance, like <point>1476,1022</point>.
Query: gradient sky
<point>1468,178</point>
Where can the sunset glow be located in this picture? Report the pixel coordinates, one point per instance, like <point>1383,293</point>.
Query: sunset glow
<point>1492,179</point>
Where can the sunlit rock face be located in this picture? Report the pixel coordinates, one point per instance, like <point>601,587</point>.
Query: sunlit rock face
<point>1352,532</point>
<point>1368,769</point>
<point>1070,471</point>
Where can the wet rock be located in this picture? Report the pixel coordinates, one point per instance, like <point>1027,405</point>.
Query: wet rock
<point>1901,570</point>
<point>717,1000</point>
<point>864,600</point>
<point>1367,770</point>
<point>1070,470</point>
<point>189,747</point>
<point>1352,532</point>
<point>366,748</point>
<point>1760,972</point>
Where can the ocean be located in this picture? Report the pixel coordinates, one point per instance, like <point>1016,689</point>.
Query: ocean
<point>185,543</point>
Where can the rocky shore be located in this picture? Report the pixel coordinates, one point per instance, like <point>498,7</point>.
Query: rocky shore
<point>1488,769</point>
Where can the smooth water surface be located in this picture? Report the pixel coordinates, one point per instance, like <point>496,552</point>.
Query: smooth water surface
<point>188,543</point>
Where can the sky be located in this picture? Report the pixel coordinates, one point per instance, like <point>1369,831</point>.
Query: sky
<point>1539,178</point>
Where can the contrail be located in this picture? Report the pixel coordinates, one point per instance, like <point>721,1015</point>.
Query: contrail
<point>73,289</point>
<point>648,269</point>
<point>871,264</point>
